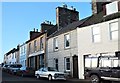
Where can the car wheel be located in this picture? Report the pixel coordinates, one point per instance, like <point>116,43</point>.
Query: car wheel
<point>49,77</point>
<point>94,79</point>
<point>38,77</point>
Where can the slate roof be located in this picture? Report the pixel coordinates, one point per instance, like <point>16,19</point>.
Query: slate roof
<point>12,51</point>
<point>99,18</point>
<point>69,27</point>
<point>93,19</point>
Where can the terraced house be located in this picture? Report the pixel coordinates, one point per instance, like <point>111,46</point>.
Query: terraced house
<point>22,56</point>
<point>95,35</point>
<point>36,45</point>
<point>36,49</point>
<point>99,35</point>
<point>62,46</point>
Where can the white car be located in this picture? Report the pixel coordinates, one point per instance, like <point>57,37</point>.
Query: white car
<point>50,73</point>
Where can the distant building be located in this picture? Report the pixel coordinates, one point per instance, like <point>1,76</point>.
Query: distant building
<point>12,57</point>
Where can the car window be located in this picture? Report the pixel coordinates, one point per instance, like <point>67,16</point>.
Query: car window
<point>52,69</point>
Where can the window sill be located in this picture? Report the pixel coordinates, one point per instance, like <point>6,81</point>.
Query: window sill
<point>67,48</point>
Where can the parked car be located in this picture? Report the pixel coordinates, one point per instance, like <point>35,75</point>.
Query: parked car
<point>50,73</point>
<point>14,67</point>
<point>4,68</point>
<point>25,71</point>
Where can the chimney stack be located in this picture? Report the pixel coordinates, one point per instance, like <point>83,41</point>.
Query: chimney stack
<point>65,16</point>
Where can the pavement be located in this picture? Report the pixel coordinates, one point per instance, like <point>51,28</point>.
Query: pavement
<point>78,80</point>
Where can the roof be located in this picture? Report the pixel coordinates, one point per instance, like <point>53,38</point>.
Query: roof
<point>69,27</point>
<point>99,18</point>
<point>12,51</point>
<point>93,19</point>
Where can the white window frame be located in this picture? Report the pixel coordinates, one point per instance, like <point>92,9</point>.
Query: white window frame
<point>65,40</point>
<point>29,51</point>
<point>112,8</point>
<point>96,37</point>
<point>41,43</point>
<point>113,30</point>
<point>66,64</point>
<point>55,43</point>
<point>35,45</point>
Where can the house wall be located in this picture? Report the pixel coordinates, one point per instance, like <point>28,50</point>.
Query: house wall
<point>23,54</point>
<point>62,52</point>
<point>86,46</point>
<point>36,53</point>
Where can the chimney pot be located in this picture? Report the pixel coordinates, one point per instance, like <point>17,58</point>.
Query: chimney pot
<point>34,29</point>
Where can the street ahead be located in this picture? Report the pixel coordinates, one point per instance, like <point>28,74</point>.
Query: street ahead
<point>8,78</point>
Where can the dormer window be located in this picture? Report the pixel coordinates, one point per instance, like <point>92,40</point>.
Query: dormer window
<point>112,8</point>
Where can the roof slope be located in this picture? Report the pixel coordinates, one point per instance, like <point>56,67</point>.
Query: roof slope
<point>69,27</point>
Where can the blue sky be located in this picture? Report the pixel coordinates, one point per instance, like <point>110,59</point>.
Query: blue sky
<point>18,18</point>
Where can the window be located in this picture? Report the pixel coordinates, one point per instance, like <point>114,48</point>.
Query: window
<point>29,51</point>
<point>96,34</point>
<point>12,55</point>
<point>114,30</point>
<point>112,7</point>
<point>24,49</point>
<point>56,63</point>
<point>25,62</point>
<point>35,46</point>
<point>55,44</point>
<point>67,61</point>
<point>41,43</point>
<point>15,54</point>
<point>67,41</point>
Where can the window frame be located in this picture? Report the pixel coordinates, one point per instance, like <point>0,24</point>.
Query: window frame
<point>65,41</point>
<point>66,64</point>
<point>29,51</point>
<point>35,45</point>
<point>55,43</point>
<point>94,34</point>
<point>111,31</point>
<point>41,44</point>
<point>56,63</point>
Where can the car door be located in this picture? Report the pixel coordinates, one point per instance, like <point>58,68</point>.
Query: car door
<point>41,72</point>
<point>45,72</point>
<point>115,72</point>
<point>105,72</point>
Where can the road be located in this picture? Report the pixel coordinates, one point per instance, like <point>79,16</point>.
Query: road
<point>8,78</point>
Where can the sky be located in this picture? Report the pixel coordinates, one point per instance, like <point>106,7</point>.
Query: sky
<point>19,18</point>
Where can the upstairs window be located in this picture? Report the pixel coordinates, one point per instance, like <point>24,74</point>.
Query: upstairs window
<point>114,30</point>
<point>96,34</point>
<point>55,44</point>
<point>112,8</point>
<point>35,46</point>
<point>12,55</point>
<point>24,49</point>
<point>67,41</point>
<point>29,51</point>
<point>41,43</point>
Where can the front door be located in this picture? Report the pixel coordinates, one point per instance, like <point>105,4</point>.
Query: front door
<point>75,66</point>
